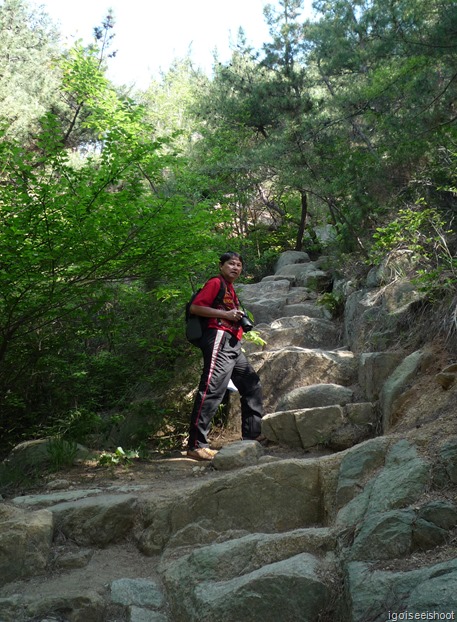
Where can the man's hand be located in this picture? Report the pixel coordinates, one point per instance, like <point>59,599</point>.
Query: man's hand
<point>234,315</point>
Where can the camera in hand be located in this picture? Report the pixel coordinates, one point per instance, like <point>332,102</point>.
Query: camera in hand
<point>246,323</point>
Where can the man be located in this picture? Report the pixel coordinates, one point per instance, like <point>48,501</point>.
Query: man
<point>223,361</point>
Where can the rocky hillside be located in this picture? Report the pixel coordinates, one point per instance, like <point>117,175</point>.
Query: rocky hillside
<point>349,514</point>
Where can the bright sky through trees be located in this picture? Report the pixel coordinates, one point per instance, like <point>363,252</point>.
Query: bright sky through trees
<point>149,35</point>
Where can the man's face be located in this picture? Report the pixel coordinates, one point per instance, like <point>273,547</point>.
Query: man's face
<point>231,269</point>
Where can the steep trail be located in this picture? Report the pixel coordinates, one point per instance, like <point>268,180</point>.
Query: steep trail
<point>172,540</point>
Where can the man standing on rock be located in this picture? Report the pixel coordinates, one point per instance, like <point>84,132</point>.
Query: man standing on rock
<point>223,360</point>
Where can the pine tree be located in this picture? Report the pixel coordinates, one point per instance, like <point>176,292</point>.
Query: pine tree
<point>29,77</point>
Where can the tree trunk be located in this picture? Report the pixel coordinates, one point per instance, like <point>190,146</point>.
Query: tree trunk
<point>302,225</point>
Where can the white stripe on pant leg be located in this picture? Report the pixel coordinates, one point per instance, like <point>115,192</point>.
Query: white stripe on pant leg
<point>215,352</point>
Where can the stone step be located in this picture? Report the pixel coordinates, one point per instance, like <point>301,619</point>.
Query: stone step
<point>292,367</point>
<point>253,573</point>
<point>285,295</point>
<point>297,330</point>
<point>334,427</point>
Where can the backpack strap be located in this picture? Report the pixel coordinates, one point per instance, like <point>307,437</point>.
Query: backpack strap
<point>220,296</point>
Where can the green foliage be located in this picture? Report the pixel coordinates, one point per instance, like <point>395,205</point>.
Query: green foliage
<point>253,336</point>
<point>61,453</point>
<point>118,457</point>
<point>75,425</point>
<point>30,76</point>
<point>75,238</point>
<point>438,282</point>
<point>332,301</point>
<point>418,229</point>
<point>421,230</point>
<point>168,103</point>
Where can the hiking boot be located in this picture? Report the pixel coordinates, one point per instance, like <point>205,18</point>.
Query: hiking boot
<point>201,453</point>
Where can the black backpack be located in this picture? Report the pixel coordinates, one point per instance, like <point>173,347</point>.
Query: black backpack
<point>195,324</point>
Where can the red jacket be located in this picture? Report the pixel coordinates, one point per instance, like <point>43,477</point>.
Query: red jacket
<point>206,298</point>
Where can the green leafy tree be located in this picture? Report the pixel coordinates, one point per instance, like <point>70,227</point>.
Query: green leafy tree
<point>169,101</point>
<point>259,114</point>
<point>338,116</point>
<point>30,77</point>
<point>387,74</point>
<point>72,228</point>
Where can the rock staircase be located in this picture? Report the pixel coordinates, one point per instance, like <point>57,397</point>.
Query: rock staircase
<point>313,389</point>
<point>253,537</point>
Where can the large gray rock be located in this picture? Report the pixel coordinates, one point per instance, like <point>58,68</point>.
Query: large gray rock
<point>139,592</point>
<point>291,589</point>
<point>446,466</point>
<point>236,554</point>
<point>79,604</point>
<point>308,309</point>
<point>427,535</point>
<point>387,535</point>
<point>316,425</point>
<point>361,423</point>
<point>363,414</point>
<point>96,520</point>
<point>396,384</point>
<point>437,592</point>
<point>374,592</point>
<point>348,435</point>
<point>306,275</point>
<point>395,265</point>
<point>374,369</point>
<point>25,542</point>
<point>325,426</point>
<point>362,322</point>
<point>399,483</point>
<point>140,614</point>
<point>283,370</point>
<point>296,295</point>
<point>259,577</point>
<point>241,500</point>
<point>290,257</point>
<point>356,465</point>
<point>263,290</point>
<point>397,533</point>
<point>266,300</point>
<point>64,558</point>
<point>334,427</point>
<point>281,427</point>
<point>372,317</point>
<point>304,428</point>
<point>315,396</point>
<point>266,310</point>
<point>442,513</point>
<point>50,499</point>
<point>404,478</point>
<point>33,455</point>
<point>301,331</point>
<point>237,455</point>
